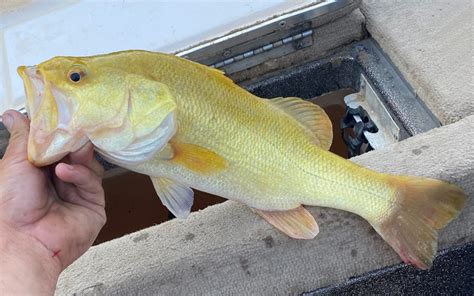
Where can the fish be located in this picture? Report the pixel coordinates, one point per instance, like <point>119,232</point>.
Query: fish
<point>189,126</point>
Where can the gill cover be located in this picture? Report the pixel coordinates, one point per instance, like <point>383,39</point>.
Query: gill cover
<point>148,125</point>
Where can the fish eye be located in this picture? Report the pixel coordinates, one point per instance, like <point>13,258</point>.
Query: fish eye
<point>75,76</point>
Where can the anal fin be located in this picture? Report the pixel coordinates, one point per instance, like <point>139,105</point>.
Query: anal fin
<point>178,198</point>
<point>297,223</point>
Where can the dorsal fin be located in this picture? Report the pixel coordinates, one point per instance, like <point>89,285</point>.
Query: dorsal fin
<point>309,115</point>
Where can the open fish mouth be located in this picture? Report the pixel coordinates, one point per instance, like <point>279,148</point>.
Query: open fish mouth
<point>51,134</point>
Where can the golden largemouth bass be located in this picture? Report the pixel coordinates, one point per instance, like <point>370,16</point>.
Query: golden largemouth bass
<point>188,126</point>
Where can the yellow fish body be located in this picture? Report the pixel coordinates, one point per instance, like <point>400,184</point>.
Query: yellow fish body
<point>187,125</point>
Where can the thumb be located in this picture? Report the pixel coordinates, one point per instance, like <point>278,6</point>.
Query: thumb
<point>19,127</point>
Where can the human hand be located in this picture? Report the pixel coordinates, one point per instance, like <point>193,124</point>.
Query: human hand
<point>48,216</point>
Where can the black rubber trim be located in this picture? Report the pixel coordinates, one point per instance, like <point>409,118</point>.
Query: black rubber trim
<point>452,274</point>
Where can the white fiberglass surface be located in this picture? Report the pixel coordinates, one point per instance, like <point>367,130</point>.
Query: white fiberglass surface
<point>34,31</point>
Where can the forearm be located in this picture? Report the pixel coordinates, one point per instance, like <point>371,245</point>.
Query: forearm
<point>26,266</point>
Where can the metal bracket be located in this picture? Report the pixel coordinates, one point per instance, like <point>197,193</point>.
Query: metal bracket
<point>374,111</point>
<point>357,122</point>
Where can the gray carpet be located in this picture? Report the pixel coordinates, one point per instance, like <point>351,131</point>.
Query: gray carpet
<point>431,43</point>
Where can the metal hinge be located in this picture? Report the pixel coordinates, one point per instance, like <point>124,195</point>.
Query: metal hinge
<point>267,40</point>
<point>285,46</point>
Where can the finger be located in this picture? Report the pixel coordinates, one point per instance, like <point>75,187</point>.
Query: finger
<point>84,179</point>
<point>18,126</point>
<point>97,168</point>
<point>85,156</point>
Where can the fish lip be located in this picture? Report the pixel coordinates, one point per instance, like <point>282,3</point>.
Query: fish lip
<point>33,82</point>
<point>38,140</point>
<point>48,146</point>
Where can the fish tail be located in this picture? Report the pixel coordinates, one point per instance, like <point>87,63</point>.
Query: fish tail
<point>422,206</point>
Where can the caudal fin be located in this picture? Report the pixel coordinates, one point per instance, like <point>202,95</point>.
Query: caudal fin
<point>422,206</point>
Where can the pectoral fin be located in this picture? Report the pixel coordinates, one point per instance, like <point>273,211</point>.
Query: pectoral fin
<point>296,223</point>
<point>197,158</point>
<point>176,197</point>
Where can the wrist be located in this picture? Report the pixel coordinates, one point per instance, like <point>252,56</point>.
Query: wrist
<point>26,265</point>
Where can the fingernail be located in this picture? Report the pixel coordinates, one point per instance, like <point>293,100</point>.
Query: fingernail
<point>7,120</point>
<point>69,167</point>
